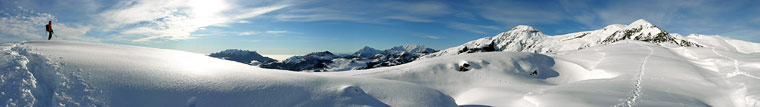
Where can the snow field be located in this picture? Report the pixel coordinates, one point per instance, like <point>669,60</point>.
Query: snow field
<point>59,73</point>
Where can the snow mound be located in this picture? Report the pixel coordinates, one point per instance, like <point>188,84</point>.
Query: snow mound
<point>61,73</point>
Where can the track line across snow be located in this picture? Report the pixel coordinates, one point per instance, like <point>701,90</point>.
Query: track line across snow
<point>736,71</point>
<point>631,101</point>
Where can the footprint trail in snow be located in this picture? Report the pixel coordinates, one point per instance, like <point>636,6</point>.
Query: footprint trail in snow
<point>736,71</point>
<point>631,101</point>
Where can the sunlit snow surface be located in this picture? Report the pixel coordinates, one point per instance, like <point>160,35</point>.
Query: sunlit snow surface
<point>58,73</point>
<point>626,73</point>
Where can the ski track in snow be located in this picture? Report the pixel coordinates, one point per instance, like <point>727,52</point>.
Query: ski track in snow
<point>631,101</point>
<point>736,71</point>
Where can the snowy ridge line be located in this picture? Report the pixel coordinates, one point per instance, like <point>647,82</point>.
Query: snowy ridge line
<point>637,84</point>
<point>736,71</point>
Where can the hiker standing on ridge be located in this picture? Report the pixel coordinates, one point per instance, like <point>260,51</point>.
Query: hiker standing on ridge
<point>49,29</point>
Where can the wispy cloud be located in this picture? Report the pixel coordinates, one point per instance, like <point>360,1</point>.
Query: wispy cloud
<point>30,25</point>
<point>370,12</point>
<point>248,33</point>
<point>276,32</point>
<point>176,19</point>
<point>410,19</point>
<point>471,27</point>
<point>431,37</point>
<point>272,32</point>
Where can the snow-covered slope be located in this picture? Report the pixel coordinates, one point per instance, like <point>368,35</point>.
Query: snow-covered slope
<point>725,43</point>
<point>625,73</point>
<point>368,52</point>
<point>60,73</point>
<point>523,38</point>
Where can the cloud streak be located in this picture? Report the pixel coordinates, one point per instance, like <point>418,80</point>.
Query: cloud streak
<point>471,28</point>
<point>365,12</point>
<point>176,19</point>
<point>272,32</point>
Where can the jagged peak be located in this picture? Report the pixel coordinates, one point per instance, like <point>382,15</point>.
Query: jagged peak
<point>523,28</point>
<point>641,22</point>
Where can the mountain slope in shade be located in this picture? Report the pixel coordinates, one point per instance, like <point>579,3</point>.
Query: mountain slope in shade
<point>523,38</point>
<point>242,56</point>
<point>311,61</point>
<point>368,52</point>
<point>364,58</point>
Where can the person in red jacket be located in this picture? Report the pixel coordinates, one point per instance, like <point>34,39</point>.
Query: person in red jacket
<point>49,28</point>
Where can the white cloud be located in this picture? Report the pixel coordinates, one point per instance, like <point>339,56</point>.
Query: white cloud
<point>366,12</point>
<point>176,19</point>
<point>276,32</point>
<point>273,32</point>
<point>471,28</point>
<point>30,25</point>
<point>431,37</point>
<point>248,33</point>
<point>26,26</point>
<point>410,19</point>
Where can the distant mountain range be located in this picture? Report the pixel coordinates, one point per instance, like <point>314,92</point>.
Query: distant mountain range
<point>364,58</point>
<point>242,56</point>
<point>521,38</point>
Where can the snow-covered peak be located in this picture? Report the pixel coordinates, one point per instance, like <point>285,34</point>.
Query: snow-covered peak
<point>614,27</point>
<point>640,22</point>
<point>724,43</point>
<point>523,38</point>
<point>367,52</point>
<point>412,48</point>
<point>327,55</point>
<point>523,28</point>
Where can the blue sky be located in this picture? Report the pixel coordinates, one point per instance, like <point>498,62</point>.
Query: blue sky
<point>343,26</point>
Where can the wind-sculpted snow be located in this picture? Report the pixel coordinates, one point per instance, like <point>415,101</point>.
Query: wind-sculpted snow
<point>59,73</point>
<point>30,79</point>
<point>625,73</point>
